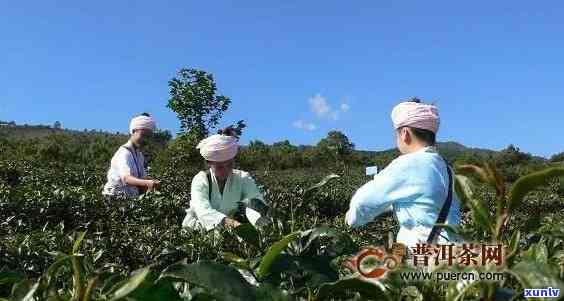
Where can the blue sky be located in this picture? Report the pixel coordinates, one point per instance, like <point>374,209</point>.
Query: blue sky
<point>294,69</point>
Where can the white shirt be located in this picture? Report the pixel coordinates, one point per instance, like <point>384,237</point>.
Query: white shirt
<point>127,161</point>
<point>206,213</point>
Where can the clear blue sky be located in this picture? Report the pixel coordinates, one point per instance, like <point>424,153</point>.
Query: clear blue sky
<point>294,69</point>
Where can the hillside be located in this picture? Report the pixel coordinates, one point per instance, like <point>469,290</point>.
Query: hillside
<point>450,149</point>
<point>11,130</point>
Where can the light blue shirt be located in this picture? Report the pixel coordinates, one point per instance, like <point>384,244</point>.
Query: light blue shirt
<point>415,185</point>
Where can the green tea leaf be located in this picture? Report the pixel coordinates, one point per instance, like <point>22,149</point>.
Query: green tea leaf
<point>529,182</point>
<point>236,260</point>
<point>221,281</point>
<point>248,233</point>
<point>131,284</point>
<point>323,182</point>
<point>368,290</point>
<point>273,252</point>
<point>78,242</point>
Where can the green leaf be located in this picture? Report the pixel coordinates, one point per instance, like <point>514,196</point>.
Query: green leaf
<point>78,242</point>
<point>317,270</point>
<point>21,289</point>
<point>110,283</point>
<point>463,188</point>
<point>53,269</point>
<point>222,281</point>
<point>368,290</point>
<point>131,284</point>
<point>482,219</point>
<point>411,293</point>
<point>529,182</point>
<point>469,169</point>
<point>200,294</point>
<point>321,184</point>
<point>31,292</point>
<point>24,290</point>
<point>514,243</point>
<point>273,252</point>
<point>161,290</point>
<point>537,252</point>
<point>248,233</point>
<point>533,274</point>
<point>498,181</point>
<point>457,290</point>
<point>236,260</point>
<point>267,292</point>
<point>319,232</point>
<point>11,277</point>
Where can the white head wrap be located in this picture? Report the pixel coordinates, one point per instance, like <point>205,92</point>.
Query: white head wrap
<point>218,148</point>
<point>142,122</point>
<point>417,115</point>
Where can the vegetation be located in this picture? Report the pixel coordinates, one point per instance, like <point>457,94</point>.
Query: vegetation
<point>61,240</point>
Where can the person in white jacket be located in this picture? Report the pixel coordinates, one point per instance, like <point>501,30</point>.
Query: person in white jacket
<point>127,176</point>
<point>415,185</point>
<point>230,192</point>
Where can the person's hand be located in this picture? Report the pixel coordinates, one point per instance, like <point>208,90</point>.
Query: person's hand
<point>153,184</point>
<point>230,223</point>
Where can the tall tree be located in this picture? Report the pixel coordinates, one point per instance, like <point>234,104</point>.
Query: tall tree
<point>338,146</point>
<point>194,100</point>
<point>337,142</point>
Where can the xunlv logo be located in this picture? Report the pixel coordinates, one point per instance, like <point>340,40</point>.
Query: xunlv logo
<point>542,292</point>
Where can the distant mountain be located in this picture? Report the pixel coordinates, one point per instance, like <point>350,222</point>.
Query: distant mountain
<point>453,150</point>
<point>449,149</point>
<point>10,130</point>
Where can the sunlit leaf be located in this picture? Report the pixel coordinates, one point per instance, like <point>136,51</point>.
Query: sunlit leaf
<point>273,252</point>
<point>219,280</point>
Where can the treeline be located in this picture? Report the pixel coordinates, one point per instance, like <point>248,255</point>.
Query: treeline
<point>335,151</point>
<point>91,149</point>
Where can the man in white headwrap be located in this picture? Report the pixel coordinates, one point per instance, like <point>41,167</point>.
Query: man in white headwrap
<point>231,190</point>
<point>416,184</point>
<point>127,176</point>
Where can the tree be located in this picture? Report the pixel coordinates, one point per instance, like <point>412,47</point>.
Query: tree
<point>284,155</point>
<point>57,125</point>
<point>338,145</point>
<point>512,155</point>
<point>337,142</point>
<point>255,156</point>
<point>557,157</point>
<point>193,98</point>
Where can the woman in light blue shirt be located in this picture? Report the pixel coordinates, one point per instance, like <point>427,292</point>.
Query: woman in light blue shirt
<point>415,184</point>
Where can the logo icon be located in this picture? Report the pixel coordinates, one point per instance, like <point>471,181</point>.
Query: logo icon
<point>373,263</point>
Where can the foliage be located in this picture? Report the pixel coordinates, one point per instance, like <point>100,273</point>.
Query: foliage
<point>193,98</point>
<point>62,241</point>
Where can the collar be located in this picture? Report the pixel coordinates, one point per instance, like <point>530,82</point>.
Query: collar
<point>131,146</point>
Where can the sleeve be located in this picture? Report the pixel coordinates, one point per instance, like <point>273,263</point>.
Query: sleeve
<point>376,196</point>
<point>251,192</point>
<point>199,201</point>
<point>123,163</point>
<point>250,189</point>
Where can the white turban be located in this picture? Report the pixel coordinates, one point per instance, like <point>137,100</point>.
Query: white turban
<point>417,115</point>
<point>218,148</point>
<point>142,122</point>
